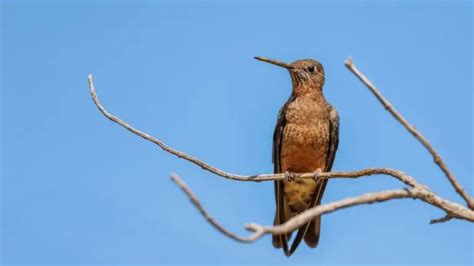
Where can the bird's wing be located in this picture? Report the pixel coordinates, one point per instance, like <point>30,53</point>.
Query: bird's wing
<point>333,138</point>
<point>278,136</point>
<point>310,232</point>
<point>279,240</point>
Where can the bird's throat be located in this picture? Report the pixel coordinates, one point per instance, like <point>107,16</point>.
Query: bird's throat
<point>311,90</point>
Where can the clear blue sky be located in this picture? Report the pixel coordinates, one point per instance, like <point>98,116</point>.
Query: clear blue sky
<point>78,189</point>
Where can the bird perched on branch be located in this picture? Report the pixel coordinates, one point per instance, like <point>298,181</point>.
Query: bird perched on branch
<point>305,140</point>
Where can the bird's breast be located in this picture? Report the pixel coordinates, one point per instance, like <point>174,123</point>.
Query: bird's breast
<point>304,149</point>
<point>305,137</point>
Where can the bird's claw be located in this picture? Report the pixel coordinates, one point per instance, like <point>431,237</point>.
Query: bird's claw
<point>317,173</point>
<point>289,176</point>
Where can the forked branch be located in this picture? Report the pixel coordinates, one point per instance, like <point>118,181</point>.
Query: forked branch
<point>417,191</point>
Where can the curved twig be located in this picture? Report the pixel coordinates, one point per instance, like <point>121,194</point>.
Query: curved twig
<point>195,201</point>
<point>389,107</point>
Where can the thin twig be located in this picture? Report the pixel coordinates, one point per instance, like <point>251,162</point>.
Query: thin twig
<point>443,219</point>
<point>195,201</point>
<point>146,136</point>
<point>389,107</point>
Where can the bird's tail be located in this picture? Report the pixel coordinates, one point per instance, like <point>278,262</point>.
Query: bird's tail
<point>311,238</point>
<point>280,241</point>
<point>309,232</point>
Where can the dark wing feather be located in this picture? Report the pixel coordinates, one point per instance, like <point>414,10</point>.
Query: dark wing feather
<point>279,240</point>
<point>278,136</point>
<point>333,137</point>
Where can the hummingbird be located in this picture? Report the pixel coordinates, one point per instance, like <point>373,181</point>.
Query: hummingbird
<point>305,140</point>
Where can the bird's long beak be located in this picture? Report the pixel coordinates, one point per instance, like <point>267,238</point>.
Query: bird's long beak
<point>274,62</point>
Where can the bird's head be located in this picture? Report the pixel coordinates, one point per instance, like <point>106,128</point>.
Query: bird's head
<point>307,75</point>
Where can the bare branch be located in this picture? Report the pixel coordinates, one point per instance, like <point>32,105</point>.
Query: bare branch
<point>162,145</point>
<point>414,193</point>
<point>389,107</point>
<point>417,192</point>
<point>256,178</point>
<point>443,219</point>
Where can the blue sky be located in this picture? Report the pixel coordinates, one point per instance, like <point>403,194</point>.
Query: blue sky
<point>78,189</point>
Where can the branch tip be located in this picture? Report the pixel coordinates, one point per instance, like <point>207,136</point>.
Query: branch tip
<point>253,227</point>
<point>174,176</point>
<point>348,61</point>
<point>443,219</point>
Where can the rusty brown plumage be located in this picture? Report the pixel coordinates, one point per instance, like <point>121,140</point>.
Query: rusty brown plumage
<point>305,140</point>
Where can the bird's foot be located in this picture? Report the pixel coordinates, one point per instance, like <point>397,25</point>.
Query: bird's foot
<point>289,176</point>
<point>317,173</point>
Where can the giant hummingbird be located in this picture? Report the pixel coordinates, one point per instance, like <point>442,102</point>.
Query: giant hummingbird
<point>305,140</point>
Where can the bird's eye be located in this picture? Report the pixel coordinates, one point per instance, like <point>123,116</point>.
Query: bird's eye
<point>311,69</point>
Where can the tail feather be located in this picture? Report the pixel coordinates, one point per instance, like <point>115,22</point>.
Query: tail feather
<point>281,216</point>
<point>277,239</point>
<point>309,232</point>
<point>311,238</point>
